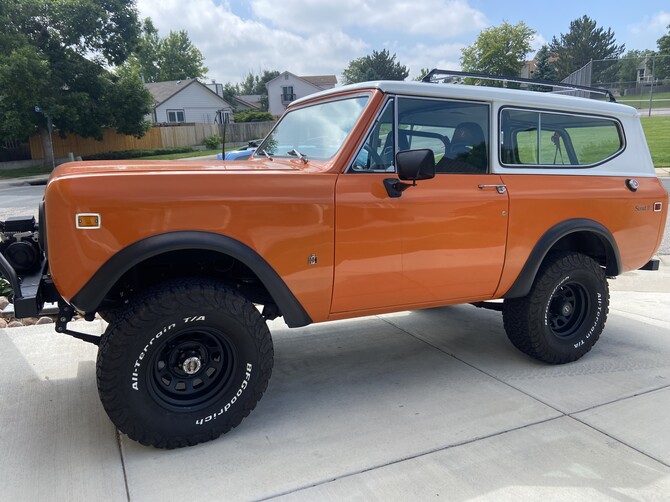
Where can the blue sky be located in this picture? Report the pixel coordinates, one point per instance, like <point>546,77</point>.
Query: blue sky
<point>313,37</point>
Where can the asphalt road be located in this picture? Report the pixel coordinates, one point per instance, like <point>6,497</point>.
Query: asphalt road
<point>24,199</point>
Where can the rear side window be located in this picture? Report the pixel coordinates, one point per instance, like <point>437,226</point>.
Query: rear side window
<point>533,138</point>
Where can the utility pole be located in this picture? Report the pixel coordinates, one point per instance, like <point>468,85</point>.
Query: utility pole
<point>50,151</point>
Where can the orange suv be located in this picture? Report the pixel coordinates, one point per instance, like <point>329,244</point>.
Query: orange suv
<point>365,199</point>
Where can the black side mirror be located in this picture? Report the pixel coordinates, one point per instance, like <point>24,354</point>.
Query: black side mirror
<point>411,165</point>
<point>414,165</point>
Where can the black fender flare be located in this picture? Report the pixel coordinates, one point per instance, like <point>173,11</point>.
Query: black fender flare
<point>524,281</point>
<point>92,293</point>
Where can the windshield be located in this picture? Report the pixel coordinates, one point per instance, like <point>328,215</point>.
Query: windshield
<point>313,132</point>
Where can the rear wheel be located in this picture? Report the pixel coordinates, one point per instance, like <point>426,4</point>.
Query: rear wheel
<point>183,363</point>
<point>565,311</point>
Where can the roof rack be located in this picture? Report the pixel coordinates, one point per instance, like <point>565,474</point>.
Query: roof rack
<point>444,74</point>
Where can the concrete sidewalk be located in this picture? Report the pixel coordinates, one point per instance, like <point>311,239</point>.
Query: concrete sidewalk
<point>414,405</point>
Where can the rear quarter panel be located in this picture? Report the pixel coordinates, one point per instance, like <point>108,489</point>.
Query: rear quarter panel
<point>538,202</point>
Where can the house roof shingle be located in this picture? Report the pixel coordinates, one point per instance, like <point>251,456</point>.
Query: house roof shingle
<point>320,79</point>
<point>163,91</point>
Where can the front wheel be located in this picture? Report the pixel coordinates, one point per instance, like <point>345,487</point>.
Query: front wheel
<point>183,363</point>
<point>565,311</point>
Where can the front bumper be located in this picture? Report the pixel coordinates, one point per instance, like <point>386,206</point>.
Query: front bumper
<point>30,290</point>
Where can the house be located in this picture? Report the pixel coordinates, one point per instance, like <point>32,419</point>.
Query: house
<point>190,101</point>
<point>288,87</point>
<point>247,102</point>
<point>239,103</point>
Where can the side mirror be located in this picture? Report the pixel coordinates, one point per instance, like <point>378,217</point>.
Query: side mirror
<point>414,165</point>
<point>411,165</point>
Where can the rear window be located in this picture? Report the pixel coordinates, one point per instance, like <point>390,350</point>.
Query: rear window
<point>536,138</point>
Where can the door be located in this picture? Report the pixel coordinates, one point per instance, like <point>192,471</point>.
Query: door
<point>444,239</point>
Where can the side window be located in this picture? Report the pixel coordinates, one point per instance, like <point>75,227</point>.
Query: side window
<point>457,132</point>
<point>533,138</point>
<point>175,115</point>
<point>378,152</point>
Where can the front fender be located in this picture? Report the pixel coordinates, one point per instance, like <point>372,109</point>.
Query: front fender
<point>92,293</point>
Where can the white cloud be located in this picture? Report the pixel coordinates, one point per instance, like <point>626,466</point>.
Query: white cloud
<point>311,37</point>
<point>233,46</point>
<point>431,18</point>
<point>656,24</point>
<point>537,42</point>
<point>445,57</point>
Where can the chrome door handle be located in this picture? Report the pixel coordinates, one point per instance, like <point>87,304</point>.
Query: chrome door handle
<point>501,189</point>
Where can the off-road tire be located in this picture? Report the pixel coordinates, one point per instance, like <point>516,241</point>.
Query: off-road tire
<point>183,363</point>
<point>565,311</point>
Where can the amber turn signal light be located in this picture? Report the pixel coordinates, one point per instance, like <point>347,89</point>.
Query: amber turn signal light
<point>88,220</point>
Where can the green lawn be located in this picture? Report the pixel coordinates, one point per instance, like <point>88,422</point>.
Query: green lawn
<point>173,156</point>
<point>23,172</point>
<point>657,131</point>
<point>641,102</point>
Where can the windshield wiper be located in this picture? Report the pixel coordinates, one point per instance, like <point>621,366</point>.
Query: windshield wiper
<point>265,152</point>
<point>296,153</point>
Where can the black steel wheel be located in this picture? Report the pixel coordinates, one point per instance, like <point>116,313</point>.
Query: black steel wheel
<point>183,363</point>
<point>565,311</point>
<point>191,367</point>
<point>568,307</point>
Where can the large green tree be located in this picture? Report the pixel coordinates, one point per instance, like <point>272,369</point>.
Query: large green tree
<point>376,66</point>
<point>662,66</point>
<point>584,42</point>
<point>498,50</point>
<point>52,69</point>
<point>158,59</point>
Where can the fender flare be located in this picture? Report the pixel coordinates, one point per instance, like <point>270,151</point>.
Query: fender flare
<point>93,292</point>
<point>524,281</point>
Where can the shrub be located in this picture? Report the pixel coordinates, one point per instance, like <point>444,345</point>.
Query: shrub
<point>133,154</point>
<point>5,287</point>
<point>212,142</point>
<point>252,116</point>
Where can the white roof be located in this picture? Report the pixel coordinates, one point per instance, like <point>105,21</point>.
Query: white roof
<point>500,95</point>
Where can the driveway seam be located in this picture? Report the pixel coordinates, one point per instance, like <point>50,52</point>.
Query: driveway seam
<point>123,463</point>
<point>620,441</point>
<point>408,457</point>
<point>563,414</point>
<point>474,367</point>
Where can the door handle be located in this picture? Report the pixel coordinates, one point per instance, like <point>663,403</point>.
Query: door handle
<point>501,189</point>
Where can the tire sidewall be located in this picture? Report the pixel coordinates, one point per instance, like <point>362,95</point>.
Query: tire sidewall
<point>580,342</point>
<point>222,411</point>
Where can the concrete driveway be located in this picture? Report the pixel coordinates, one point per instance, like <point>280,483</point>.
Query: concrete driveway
<point>431,404</point>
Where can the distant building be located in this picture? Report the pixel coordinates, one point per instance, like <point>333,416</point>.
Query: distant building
<point>288,87</point>
<point>178,101</point>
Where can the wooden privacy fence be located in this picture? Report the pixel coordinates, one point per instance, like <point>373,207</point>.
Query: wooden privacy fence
<point>156,137</point>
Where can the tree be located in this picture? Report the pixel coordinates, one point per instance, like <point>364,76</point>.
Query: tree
<point>544,68</point>
<point>255,84</point>
<point>499,50</point>
<point>422,73</point>
<point>52,69</point>
<point>662,67</point>
<point>159,59</point>
<point>377,66</point>
<point>583,42</point>
<point>628,66</point>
